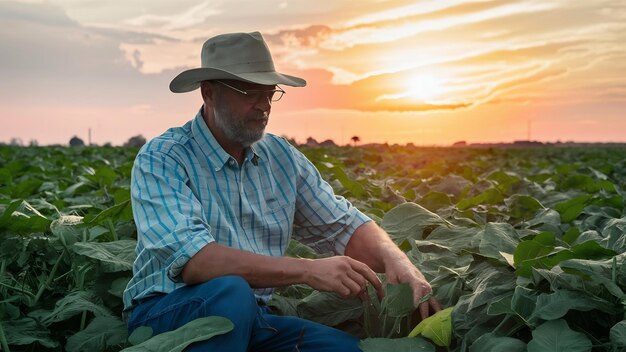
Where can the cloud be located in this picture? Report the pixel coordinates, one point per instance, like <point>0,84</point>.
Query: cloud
<point>191,17</point>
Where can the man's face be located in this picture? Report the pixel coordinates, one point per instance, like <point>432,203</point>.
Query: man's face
<point>242,121</point>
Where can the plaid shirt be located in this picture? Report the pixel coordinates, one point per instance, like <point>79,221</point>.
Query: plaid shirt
<point>187,192</point>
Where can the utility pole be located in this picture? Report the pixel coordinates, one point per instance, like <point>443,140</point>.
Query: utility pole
<point>528,132</point>
<point>89,138</point>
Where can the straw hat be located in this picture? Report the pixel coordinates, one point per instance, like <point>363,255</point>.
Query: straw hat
<point>238,56</point>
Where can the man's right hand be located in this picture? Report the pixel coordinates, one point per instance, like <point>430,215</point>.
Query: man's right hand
<point>346,276</point>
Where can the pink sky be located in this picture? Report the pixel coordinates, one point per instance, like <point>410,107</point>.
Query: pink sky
<point>430,73</point>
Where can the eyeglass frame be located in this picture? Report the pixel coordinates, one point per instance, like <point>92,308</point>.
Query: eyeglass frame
<point>248,93</point>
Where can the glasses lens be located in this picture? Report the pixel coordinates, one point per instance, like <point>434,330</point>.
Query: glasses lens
<point>276,95</point>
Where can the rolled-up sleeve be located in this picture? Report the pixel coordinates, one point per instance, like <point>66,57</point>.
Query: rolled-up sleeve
<point>171,223</point>
<point>322,219</point>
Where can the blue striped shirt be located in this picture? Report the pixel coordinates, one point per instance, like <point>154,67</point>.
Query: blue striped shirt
<point>187,192</point>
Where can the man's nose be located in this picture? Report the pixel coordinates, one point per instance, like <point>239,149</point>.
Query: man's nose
<point>264,103</point>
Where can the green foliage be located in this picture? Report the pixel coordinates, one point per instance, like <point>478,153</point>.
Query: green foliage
<point>437,328</point>
<point>525,247</point>
<point>176,340</point>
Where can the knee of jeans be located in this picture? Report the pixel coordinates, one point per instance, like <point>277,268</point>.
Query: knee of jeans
<point>234,289</point>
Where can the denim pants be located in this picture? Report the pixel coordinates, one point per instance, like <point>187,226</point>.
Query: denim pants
<point>256,329</point>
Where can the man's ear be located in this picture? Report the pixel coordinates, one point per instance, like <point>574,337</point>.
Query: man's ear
<point>207,90</point>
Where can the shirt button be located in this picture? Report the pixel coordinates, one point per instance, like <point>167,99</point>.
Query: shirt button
<point>231,162</point>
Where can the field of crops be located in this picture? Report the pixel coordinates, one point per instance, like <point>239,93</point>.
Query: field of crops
<point>525,247</point>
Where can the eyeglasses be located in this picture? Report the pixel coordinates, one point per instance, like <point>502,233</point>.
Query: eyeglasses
<point>252,95</point>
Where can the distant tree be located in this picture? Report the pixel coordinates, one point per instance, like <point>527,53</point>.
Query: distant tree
<point>355,140</point>
<point>33,143</point>
<point>76,142</point>
<point>135,141</point>
<point>16,142</point>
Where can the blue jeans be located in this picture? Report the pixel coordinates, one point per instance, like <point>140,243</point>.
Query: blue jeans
<point>256,329</point>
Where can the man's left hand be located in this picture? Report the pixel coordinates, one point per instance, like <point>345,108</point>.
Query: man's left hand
<point>401,270</point>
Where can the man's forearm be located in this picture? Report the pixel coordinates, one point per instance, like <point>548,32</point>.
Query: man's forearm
<point>215,260</point>
<point>371,245</point>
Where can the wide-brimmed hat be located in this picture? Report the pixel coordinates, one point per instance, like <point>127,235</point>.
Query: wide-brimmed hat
<point>238,56</point>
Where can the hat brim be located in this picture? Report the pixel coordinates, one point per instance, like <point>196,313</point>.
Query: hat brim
<point>190,80</point>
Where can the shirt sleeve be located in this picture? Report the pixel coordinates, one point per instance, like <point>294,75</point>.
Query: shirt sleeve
<point>171,223</point>
<point>322,219</point>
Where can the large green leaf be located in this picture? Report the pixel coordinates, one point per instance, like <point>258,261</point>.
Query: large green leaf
<point>572,208</point>
<point>556,336</point>
<point>437,327</point>
<point>497,238</point>
<point>555,305</point>
<point>329,308</point>
<point>490,196</point>
<point>114,256</point>
<point>398,300</point>
<point>26,331</point>
<point>406,344</point>
<point>492,343</point>
<point>408,221</point>
<point>618,335</point>
<point>72,304</point>
<point>175,341</point>
<point>522,206</point>
<point>101,334</point>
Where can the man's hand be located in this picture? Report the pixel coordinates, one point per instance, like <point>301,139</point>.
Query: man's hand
<point>371,245</point>
<point>343,275</point>
<point>401,270</point>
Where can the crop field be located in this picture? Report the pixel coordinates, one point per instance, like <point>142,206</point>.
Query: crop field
<point>524,248</point>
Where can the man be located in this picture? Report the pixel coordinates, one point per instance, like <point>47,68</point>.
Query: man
<point>216,202</point>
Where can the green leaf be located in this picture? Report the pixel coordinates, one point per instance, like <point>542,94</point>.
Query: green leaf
<point>329,308</point>
<point>398,300</point>
<point>437,327</point>
<point>555,305</point>
<point>408,221</point>
<point>490,196</point>
<point>282,305</point>
<point>496,238</point>
<point>175,341</point>
<point>118,212</point>
<point>406,344</point>
<point>22,218</point>
<point>99,335</point>
<point>492,343</point>
<point>72,304</point>
<point>524,303</point>
<point>140,335</point>
<point>523,206</point>
<point>572,208</point>
<point>299,250</point>
<point>556,336</point>
<point>26,188</point>
<point>618,334</point>
<point>114,256</point>
<point>26,331</point>
<point>118,286</point>
<point>435,200</point>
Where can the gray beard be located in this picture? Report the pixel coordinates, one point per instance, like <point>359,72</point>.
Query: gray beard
<point>236,130</point>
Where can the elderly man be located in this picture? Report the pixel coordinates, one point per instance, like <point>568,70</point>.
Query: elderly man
<point>216,202</point>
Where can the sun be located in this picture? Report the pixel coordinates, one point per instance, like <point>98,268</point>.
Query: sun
<point>425,87</point>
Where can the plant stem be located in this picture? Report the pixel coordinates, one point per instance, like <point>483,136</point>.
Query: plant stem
<point>614,271</point>
<point>3,268</point>
<point>17,289</point>
<point>112,229</point>
<point>83,319</point>
<point>48,281</point>
<point>3,339</point>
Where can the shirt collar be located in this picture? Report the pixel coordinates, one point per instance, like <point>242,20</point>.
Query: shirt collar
<point>212,149</point>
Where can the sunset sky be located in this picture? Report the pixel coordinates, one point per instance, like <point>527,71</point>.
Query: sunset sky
<point>426,72</point>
